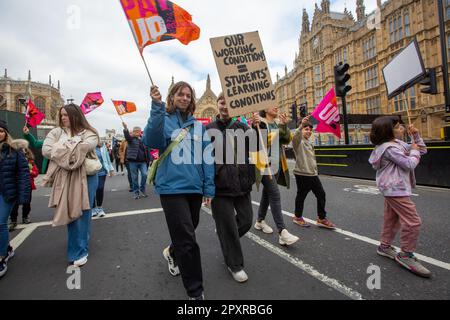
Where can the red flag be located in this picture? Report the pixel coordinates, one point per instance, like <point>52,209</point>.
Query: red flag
<point>327,113</point>
<point>153,21</point>
<point>124,107</point>
<point>33,116</point>
<point>91,102</point>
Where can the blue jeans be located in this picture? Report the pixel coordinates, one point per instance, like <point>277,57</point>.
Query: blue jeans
<point>79,231</point>
<point>5,211</point>
<point>135,168</point>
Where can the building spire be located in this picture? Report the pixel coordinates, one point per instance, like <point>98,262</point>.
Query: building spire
<point>59,85</point>
<point>50,79</point>
<point>305,24</point>
<point>6,73</point>
<point>325,6</point>
<point>208,83</point>
<point>360,10</point>
<point>29,75</point>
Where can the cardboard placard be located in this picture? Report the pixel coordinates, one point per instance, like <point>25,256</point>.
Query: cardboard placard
<point>244,73</point>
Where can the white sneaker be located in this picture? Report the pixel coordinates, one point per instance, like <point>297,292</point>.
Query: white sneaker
<point>173,267</point>
<point>239,276</point>
<point>264,227</point>
<point>101,213</point>
<point>94,212</point>
<point>286,239</point>
<point>80,262</point>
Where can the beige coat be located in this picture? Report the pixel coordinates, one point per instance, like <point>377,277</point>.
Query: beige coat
<point>123,151</point>
<point>67,174</point>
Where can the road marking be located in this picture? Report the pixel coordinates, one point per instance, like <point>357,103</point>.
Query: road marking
<point>310,270</point>
<point>29,229</point>
<point>432,261</point>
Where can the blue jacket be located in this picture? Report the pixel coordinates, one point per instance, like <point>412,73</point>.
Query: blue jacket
<point>15,183</point>
<point>103,156</point>
<point>192,172</point>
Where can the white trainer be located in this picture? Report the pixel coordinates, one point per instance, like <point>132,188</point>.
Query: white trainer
<point>80,262</point>
<point>286,239</point>
<point>264,227</point>
<point>239,276</point>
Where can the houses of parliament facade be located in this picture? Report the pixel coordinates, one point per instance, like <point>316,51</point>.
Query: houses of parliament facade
<point>367,44</point>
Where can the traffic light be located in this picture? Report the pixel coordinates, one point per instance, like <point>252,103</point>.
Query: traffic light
<point>294,113</point>
<point>341,77</point>
<point>304,110</point>
<point>430,80</point>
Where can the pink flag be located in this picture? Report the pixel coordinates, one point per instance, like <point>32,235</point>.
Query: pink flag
<point>91,102</point>
<point>327,113</point>
<point>33,116</point>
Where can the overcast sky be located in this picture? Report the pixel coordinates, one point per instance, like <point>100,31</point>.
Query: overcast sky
<point>99,53</point>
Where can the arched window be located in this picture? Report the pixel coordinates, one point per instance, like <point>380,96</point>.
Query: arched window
<point>40,104</point>
<point>2,102</point>
<point>20,104</point>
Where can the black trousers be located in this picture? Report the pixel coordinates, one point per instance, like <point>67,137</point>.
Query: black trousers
<point>234,217</point>
<point>118,164</point>
<point>127,165</point>
<point>26,209</point>
<point>306,184</point>
<point>183,216</point>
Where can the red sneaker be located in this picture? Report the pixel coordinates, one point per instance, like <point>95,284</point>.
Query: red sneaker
<point>325,223</point>
<point>301,222</point>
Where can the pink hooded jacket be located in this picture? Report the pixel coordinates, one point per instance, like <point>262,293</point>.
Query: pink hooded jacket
<point>395,163</point>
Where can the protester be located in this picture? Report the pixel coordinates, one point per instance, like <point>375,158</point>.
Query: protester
<point>137,161</point>
<point>106,170</point>
<point>116,153</point>
<point>35,144</point>
<point>181,186</point>
<point>232,206</point>
<point>124,161</point>
<point>15,187</point>
<point>23,146</point>
<point>72,173</point>
<point>307,176</point>
<point>395,162</point>
<point>266,120</point>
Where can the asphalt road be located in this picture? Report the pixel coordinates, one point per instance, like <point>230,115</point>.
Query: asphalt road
<point>126,262</point>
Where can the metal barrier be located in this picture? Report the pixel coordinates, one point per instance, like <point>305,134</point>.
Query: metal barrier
<point>352,162</point>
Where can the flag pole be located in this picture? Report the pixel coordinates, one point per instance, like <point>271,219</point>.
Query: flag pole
<point>146,67</point>
<point>137,45</point>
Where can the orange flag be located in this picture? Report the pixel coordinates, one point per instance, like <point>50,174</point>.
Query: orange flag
<point>124,107</point>
<point>153,21</point>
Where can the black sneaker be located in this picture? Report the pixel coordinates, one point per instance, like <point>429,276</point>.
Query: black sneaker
<point>26,221</point>
<point>136,197</point>
<point>144,195</point>
<point>3,267</point>
<point>12,226</point>
<point>9,254</point>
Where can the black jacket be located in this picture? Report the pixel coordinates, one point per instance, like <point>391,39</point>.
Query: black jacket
<point>15,183</point>
<point>232,180</point>
<point>134,144</point>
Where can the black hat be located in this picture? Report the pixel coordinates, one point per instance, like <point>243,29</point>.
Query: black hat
<point>4,126</point>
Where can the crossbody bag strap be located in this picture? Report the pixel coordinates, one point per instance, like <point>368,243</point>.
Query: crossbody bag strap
<point>184,132</point>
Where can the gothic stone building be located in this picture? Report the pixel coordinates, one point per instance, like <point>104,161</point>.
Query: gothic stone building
<point>337,37</point>
<point>14,94</point>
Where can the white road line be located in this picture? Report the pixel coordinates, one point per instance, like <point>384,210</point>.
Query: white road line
<point>432,261</point>
<point>310,270</point>
<point>28,229</point>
